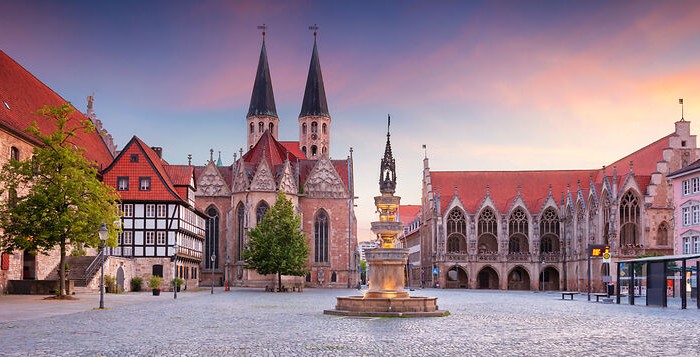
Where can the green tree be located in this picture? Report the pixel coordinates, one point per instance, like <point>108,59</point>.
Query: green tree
<point>55,198</point>
<point>363,269</point>
<point>277,244</point>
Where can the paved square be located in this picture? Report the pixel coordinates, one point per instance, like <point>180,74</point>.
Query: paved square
<point>252,323</point>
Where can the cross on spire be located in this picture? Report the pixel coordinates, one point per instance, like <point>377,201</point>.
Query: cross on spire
<point>314,28</point>
<point>263,27</point>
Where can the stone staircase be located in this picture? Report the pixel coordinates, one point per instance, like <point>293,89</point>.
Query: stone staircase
<point>78,270</point>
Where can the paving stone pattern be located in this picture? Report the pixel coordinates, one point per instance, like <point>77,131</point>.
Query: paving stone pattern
<point>248,322</point>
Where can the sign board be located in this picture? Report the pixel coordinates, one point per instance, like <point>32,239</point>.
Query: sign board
<point>597,250</point>
<point>435,271</point>
<point>607,255</point>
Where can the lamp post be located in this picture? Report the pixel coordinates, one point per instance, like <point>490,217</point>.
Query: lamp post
<point>103,233</point>
<point>542,274</point>
<point>212,258</point>
<point>175,271</point>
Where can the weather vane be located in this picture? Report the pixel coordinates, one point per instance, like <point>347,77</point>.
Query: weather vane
<point>314,28</point>
<point>263,27</point>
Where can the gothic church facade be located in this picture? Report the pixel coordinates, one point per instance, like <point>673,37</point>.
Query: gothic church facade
<point>236,197</point>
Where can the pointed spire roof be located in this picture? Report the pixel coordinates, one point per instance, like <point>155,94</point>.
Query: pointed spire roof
<point>262,102</point>
<point>387,169</point>
<point>314,102</point>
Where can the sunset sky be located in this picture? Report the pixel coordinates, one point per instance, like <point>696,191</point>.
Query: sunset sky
<point>495,85</point>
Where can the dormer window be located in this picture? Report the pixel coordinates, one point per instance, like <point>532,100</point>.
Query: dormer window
<point>122,183</point>
<point>134,158</point>
<point>144,183</point>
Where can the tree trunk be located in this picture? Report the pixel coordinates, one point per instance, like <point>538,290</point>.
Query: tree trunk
<point>279,281</point>
<point>62,270</point>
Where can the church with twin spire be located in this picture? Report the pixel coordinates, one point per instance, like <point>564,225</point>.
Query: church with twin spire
<point>236,197</point>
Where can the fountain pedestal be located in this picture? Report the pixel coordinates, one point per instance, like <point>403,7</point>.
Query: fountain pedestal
<point>386,296</point>
<point>386,273</point>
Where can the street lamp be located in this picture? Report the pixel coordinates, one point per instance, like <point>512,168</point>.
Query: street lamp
<point>103,233</point>
<point>212,258</point>
<point>542,274</point>
<point>175,271</point>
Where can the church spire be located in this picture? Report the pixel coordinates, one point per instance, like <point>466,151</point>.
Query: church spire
<point>314,102</point>
<point>387,169</point>
<point>262,102</point>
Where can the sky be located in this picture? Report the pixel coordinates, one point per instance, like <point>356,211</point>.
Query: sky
<point>493,85</point>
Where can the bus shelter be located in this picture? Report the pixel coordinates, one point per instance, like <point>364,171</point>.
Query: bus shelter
<point>657,270</point>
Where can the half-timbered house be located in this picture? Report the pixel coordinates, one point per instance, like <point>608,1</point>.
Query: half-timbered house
<point>162,231</point>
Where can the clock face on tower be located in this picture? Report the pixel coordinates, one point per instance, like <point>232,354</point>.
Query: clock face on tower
<point>314,136</point>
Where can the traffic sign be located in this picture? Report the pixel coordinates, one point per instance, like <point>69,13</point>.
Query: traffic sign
<point>606,256</point>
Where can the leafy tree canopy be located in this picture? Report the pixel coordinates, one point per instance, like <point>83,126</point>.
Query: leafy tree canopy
<point>277,245</point>
<point>55,198</point>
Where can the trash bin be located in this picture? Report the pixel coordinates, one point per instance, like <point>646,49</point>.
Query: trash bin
<point>611,289</point>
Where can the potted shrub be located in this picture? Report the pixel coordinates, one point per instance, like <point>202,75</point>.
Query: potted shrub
<point>136,283</point>
<point>177,282</point>
<point>154,283</point>
<point>110,284</point>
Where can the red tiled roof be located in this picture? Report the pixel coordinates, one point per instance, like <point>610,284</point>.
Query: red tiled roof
<point>25,94</point>
<point>293,147</point>
<point>644,160</point>
<point>503,186</point>
<point>148,165</point>
<point>408,213</point>
<point>269,149</point>
<point>181,175</point>
<point>225,171</point>
<point>341,166</point>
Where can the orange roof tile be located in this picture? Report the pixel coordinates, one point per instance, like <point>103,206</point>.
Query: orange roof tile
<point>408,213</point>
<point>25,94</point>
<point>293,147</point>
<point>148,165</point>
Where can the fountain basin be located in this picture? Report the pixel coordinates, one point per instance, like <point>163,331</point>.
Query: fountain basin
<point>417,306</point>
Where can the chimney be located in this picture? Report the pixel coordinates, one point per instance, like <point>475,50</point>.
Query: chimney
<point>158,150</point>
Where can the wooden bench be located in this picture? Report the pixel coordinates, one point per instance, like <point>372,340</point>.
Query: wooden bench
<point>570,293</point>
<point>600,295</point>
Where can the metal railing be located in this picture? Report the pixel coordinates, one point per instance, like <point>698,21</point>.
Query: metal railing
<point>92,268</point>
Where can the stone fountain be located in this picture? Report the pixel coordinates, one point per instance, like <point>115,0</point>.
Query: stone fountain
<point>386,295</point>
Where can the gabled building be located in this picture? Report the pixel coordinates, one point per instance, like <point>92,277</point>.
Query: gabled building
<point>236,197</point>
<point>162,230</point>
<point>21,96</point>
<point>530,230</point>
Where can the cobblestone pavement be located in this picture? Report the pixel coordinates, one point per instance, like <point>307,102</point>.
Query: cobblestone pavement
<point>249,322</point>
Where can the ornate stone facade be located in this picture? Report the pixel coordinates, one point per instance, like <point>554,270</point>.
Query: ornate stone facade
<point>529,230</point>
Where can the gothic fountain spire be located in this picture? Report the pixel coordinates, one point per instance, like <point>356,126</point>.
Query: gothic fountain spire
<point>387,169</point>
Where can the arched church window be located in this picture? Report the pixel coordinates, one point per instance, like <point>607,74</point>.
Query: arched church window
<point>629,219</point>
<point>303,128</point>
<point>272,127</point>
<point>321,237</point>
<point>14,153</point>
<point>487,231</point>
<point>334,277</point>
<point>606,218</point>
<point>252,128</point>
<point>260,211</point>
<point>314,150</point>
<point>240,231</point>
<point>453,245</point>
<point>456,222</point>
<point>212,238</point>
<point>549,222</point>
<point>314,127</point>
<point>323,150</point>
<point>323,128</point>
<point>261,127</point>
<point>662,234</point>
<point>303,149</point>
<point>518,222</point>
